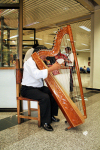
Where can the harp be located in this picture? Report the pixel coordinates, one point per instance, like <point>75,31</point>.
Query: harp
<point>69,109</point>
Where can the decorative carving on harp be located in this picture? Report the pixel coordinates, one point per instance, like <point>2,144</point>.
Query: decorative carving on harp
<point>67,106</point>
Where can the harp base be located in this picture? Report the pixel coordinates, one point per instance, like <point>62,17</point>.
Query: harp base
<point>68,128</point>
<point>85,117</point>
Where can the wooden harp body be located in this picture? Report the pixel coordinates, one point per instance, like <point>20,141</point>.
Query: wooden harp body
<point>67,106</point>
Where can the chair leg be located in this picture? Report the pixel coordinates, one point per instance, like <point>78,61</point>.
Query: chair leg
<point>18,111</point>
<point>39,119</point>
<point>29,110</point>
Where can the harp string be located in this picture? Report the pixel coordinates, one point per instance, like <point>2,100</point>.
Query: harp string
<point>76,95</point>
<point>64,78</point>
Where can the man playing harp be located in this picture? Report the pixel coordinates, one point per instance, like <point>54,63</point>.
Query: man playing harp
<point>33,88</point>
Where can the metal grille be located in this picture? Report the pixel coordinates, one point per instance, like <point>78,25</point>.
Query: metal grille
<point>9,1</point>
<point>39,13</point>
<point>45,16</point>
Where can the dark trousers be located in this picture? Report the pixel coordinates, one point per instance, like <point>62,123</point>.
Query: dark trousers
<point>71,79</point>
<point>48,106</point>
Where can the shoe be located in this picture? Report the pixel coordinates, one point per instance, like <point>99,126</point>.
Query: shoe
<point>55,119</point>
<point>47,127</point>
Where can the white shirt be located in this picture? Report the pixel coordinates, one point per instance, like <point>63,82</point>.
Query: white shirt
<point>71,58</point>
<point>32,76</point>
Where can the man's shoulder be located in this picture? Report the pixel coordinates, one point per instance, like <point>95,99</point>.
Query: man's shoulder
<point>72,54</point>
<point>30,61</point>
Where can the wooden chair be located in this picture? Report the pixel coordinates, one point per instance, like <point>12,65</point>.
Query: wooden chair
<point>19,73</point>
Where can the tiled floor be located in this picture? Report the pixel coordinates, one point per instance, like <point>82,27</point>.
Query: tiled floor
<point>27,136</point>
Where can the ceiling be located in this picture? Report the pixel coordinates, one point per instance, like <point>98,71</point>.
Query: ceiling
<point>47,16</point>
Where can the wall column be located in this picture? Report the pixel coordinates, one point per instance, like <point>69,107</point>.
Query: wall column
<point>95,50</point>
<point>92,51</point>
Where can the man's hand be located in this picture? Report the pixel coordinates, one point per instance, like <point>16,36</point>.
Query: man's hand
<point>55,66</point>
<point>68,61</point>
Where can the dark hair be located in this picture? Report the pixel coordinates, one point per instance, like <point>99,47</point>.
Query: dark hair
<point>68,48</point>
<point>36,49</point>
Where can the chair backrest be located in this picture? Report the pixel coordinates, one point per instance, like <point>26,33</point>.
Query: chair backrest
<point>19,72</point>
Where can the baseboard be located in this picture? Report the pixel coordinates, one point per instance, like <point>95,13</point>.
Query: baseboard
<point>8,109</point>
<point>92,89</point>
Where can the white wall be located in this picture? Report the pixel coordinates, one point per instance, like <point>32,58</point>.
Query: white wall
<point>82,58</point>
<point>8,88</point>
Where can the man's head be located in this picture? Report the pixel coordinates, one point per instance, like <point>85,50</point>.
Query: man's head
<point>68,50</point>
<point>32,50</point>
<point>38,48</point>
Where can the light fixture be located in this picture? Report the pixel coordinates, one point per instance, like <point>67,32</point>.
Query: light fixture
<point>55,32</point>
<point>13,41</point>
<point>84,44</point>
<point>85,28</point>
<point>65,8</point>
<point>24,43</point>
<point>13,36</point>
<point>7,11</point>
<point>49,43</point>
<point>31,24</point>
<point>69,40</point>
<point>5,32</point>
<point>36,38</point>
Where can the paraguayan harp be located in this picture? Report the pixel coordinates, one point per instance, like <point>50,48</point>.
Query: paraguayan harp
<point>67,106</point>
